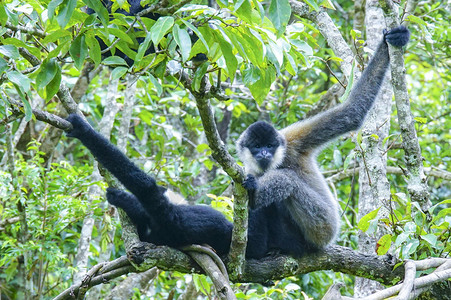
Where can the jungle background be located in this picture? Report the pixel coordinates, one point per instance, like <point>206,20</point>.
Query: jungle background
<point>280,61</point>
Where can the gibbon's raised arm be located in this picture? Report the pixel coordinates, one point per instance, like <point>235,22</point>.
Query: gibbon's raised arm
<point>350,115</point>
<point>133,178</point>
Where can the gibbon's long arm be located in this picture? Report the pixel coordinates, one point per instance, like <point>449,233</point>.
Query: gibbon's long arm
<point>313,132</point>
<point>133,178</point>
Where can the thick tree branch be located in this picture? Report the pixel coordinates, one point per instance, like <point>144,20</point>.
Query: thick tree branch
<point>336,258</point>
<point>144,256</point>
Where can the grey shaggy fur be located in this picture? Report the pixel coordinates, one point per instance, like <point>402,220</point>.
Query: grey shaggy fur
<point>295,183</point>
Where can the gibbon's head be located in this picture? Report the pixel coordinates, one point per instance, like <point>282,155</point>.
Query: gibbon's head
<point>261,148</point>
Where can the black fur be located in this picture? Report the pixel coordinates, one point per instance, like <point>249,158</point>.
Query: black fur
<point>272,227</point>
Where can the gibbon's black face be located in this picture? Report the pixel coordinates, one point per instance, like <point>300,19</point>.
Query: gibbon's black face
<point>261,147</point>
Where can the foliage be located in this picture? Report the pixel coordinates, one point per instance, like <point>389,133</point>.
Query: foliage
<point>55,202</point>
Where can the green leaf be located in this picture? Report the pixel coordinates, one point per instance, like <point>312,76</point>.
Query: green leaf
<point>52,7</point>
<point>10,51</point>
<point>261,10</point>
<point>3,65</point>
<point>312,4</point>
<point>327,4</point>
<point>121,35</point>
<point>20,80</point>
<point>143,48</point>
<point>48,79</point>
<point>199,75</point>
<point>55,35</point>
<point>383,245</point>
<point>94,48</point>
<point>261,87</point>
<point>183,40</point>
<point>114,61</point>
<point>230,59</point>
<point>27,108</point>
<point>279,13</point>
<point>156,84</point>
<point>160,28</point>
<point>442,213</point>
<point>78,51</point>
<point>421,120</point>
<point>415,19</point>
<point>348,160</point>
<point>65,12</point>
<point>197,32</point>
<point>100,9</point>
<point>350,83</point>
<point>364,222</point>
<point>3,14</point>
<point>118,72</point>
<point>430,238</point>
<point>244,11</point>
<point>22,85</point>
<point>410,248</point>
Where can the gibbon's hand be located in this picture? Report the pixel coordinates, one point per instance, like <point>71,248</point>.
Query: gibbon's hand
<point>398,36</point>
<point>79,126</point>
<point>250,183</point>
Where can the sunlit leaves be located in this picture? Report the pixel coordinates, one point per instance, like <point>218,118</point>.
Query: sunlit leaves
<point>367,220</point>
<point>78,51</point>
<point>3,15</point>
<point>183,40</point>
<point>100,9</point>
<point>93,48</point>
<point>383,245</point>
<point>199,75</point>
<point>22,84</point>
<point>48,78</point>
<point>9,51</point>
<point>65,10</point>
<point>160,28</point>
<point>279,13</point>
<point>114,61</point>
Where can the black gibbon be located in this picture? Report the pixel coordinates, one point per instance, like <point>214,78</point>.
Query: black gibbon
<point>292,210</point>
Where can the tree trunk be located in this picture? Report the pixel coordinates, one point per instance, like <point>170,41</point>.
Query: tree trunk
<point>374,189</point>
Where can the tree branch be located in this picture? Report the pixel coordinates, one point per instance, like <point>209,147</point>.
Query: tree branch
<point>330,32</point>
<point>46,117</point>
<point>342,174</point>
<point>227,162</point>
<point>416,180</point>
<point>33,32</point>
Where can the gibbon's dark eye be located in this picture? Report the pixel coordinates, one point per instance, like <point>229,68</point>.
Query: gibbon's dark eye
<point>269,146</point>
<point>257,146</point>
